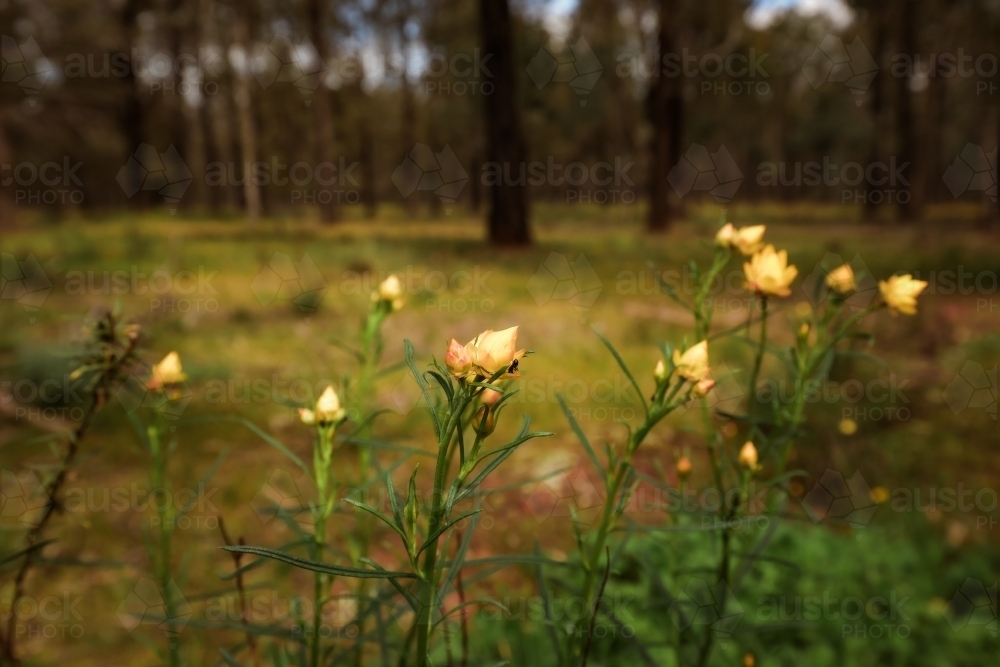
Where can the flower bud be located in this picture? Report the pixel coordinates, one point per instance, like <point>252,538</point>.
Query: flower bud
<point>328,409</point>
<point>167,372</point>
<point>748,456</point>
<point>841,280</point>
<point>693,364</point>
<point>390,289</point>
<point>490,397</point>
<point>684,468</point>
<point>660,371</point>
<point>457,359</point>
<point>702,388</point>
<point>484,428</point>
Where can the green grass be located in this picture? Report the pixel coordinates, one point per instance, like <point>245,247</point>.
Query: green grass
<point>230,340</point>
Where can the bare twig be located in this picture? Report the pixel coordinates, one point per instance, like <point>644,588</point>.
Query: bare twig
<point>597,607</point>
<point>241,591</point>
<point>113,356</point>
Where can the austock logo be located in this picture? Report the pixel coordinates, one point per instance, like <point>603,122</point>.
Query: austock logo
<point>569,494</point>
<point>702,171</point>
<point>163,173</point>
<point>579,67</point>
<point>282,495</point>
<point>973,387</point>
<point>833,497</point>
<point>973,171</point>
<point>284,279</point>
<point>22,496</point>
<point>134,393</point>
<point>147,604</point>
<point>817,291</point>
<point>558,279</point>
<point>295,63</point>
<point>426,171</point>
<point>24,281</point>
<point>703,604</point>
<point>24,65</point>
<point>974,604</point>
<point>835,62</point>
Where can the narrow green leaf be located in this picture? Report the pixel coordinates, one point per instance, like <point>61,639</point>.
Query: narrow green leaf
<point>324,568</point>
<point>408,354</point>
<point>437,533</point>
<point>583,440</point>
<point>621,364</point>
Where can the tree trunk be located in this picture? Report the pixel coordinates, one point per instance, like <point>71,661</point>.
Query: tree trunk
<point>368,187</point>
<point>662,105</point>
<point>7,220</point>
<point>192,136</point>
<point>323,114</point>
<point>877,13</point>
<point>508,215</point>
<point>244,110</point>
<point>907,147</point>
<point>133,110</point>
<point>408,130</point>
<point>219,112</point>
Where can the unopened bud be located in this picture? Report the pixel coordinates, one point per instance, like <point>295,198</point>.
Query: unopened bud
<point>748,456</point>
<point>702,387</point>
<point>485,421</point>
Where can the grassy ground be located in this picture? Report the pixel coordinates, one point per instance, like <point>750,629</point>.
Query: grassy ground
<point>251,352</point>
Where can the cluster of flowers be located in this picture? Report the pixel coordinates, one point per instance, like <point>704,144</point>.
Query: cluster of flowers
<point>769,274</point>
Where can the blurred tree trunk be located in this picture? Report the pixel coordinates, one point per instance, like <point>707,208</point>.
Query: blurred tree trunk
<point>369,196</point>
<point>244,110</point>
<point>133,110</point>
<point>907,148</point>
<point>663,105</point>
<point>877,17</point>
<point>219,112</point>
<point>508,216</point>
<point>323,113</point>
<point>192,136</point>
<point>408,131</point>
<point>7,220</point>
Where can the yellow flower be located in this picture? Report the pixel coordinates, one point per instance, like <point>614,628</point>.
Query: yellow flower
<point>167,372</point>
<point>328,409</point>
<point>660,371</point>
<point>848,427</point>
<point>747,240</point>
<point>495,351</point>
<point>841,280</point>
<point>768,272</point>
<point>693,364</point>
<point>900,293</point>
<point>457,359</point>
<point>684,467</point>
<point>725,236</point>
<point>880,494</point>
<point>391,291</point>
<point>748,456</point>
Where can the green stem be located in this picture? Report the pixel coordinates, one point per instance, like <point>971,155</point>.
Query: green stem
<point>165,519</point>
<point>429,571</point>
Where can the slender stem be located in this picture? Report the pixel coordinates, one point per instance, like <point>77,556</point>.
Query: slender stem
<point>429,571</point>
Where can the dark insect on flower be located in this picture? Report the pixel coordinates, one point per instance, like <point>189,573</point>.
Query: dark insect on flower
<point>513,366</point>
